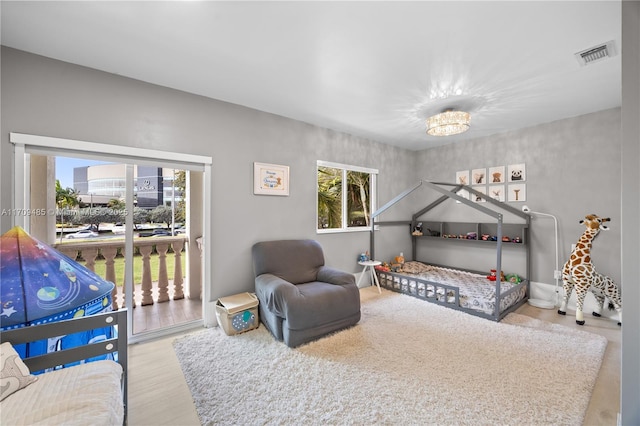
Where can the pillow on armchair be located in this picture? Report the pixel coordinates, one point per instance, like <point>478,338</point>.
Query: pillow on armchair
<point>301,299</point>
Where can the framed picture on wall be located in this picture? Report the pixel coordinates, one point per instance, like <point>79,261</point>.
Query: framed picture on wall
<point>478,176</point>
<point>462,177</point>
<point>497,192</point>
<point>517,192</point>
<point>477,198</point>
<point>464,194</point>
<point>270,179</point>
<point>496,175</point>
<point>516,173</point>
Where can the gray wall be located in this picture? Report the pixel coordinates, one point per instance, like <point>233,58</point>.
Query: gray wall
<point>46,97</point>
<point>572,165</point>
<point>572,169</point>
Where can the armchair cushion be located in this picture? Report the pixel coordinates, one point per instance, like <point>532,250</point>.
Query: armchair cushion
<point>300,298</point>
<point>295,261</point>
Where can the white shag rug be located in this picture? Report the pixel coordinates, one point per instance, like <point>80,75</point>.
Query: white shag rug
<point>407,362</point>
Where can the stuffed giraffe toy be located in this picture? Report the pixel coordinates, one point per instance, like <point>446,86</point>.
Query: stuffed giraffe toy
<point>580,273</point>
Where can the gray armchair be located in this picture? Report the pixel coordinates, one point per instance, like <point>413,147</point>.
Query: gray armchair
<point>300,298</point>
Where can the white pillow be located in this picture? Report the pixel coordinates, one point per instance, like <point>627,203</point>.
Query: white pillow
<point>15,374</point>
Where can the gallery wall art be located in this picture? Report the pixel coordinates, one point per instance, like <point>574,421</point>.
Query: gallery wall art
<point>503,183</point>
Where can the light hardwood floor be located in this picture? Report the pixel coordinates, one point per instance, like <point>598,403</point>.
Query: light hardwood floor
<point>158,393</point>
<point>152,317</point>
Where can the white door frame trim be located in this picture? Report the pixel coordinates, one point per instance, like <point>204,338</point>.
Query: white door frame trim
<point>117,150</point>
<point>25,144</point>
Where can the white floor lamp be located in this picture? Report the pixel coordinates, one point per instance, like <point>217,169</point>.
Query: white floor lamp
<point>539,303</point>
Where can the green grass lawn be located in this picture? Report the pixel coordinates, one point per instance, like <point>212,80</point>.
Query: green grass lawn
<point>101,267</point>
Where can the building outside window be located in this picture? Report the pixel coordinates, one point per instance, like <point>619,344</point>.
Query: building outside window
<point>153,186</point>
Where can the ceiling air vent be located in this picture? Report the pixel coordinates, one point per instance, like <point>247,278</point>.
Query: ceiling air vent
<point>597,53</point>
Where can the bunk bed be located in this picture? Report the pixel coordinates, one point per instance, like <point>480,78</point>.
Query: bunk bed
<point>83,393</point>
<point>458,288</point>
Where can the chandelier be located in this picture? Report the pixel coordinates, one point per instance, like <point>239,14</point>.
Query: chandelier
<point>448,123</point>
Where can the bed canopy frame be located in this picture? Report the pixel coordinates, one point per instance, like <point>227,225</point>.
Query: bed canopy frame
<point>492,208</point>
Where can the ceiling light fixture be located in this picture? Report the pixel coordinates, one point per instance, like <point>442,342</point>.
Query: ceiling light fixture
<point>448,123</point>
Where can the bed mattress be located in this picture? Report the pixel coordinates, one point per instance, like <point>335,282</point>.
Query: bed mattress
<point>85,394</point>
<point>475,290</point>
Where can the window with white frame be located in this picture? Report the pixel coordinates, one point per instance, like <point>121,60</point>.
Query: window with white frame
<point>346,197</point>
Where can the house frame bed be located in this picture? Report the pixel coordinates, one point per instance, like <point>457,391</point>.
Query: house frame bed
<point>74,388</point>
<point>445,294</point>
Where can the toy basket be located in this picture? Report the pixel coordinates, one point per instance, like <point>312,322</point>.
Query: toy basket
<point>238,313</point>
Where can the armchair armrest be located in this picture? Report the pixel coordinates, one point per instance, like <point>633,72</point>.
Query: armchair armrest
<point>335,276</point>
<point>273,292</point>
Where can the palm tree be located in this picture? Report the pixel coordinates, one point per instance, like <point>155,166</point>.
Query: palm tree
<point>329,197</point>
<point>116,204</point>
<point>358,204</point>
<point>65,198</point>
<point>180,184</point>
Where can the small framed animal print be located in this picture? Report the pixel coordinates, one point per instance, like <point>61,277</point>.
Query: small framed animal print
<point>497,192</point>
<point>496,175</point>
<point>478,176</point>
<point>516,173</point>
<point>478,198</point>
<point>517,192</point>
<point>462,177</point>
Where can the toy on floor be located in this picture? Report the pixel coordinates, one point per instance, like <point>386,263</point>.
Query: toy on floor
<point>580,273</point>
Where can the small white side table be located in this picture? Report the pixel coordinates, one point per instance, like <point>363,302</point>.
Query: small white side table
<point>370,264</point>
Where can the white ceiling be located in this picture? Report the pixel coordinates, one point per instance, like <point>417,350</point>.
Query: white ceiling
<point>372,69</point>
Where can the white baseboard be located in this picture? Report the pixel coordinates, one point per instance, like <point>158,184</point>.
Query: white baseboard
<point>546,291</point>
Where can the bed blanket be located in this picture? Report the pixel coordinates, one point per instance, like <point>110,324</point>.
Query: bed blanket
<point>476,291</point>
<point>85,394</point>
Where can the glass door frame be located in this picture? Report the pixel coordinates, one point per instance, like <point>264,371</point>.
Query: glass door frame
<point>25,145</point>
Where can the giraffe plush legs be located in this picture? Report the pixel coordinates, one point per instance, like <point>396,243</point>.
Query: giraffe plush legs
<point>567,286</point>
<point>604,288</point>
<point>600,299</point>
<point>598,309</point>
<point>580,295</point>
<point>580,280</point>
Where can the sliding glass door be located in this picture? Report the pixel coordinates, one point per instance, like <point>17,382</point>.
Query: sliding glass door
<point>138,224</point>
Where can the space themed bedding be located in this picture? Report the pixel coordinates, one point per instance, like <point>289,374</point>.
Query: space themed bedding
<point>454,288</point>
